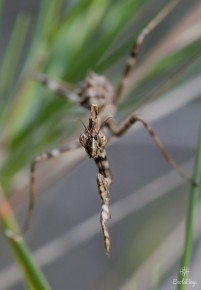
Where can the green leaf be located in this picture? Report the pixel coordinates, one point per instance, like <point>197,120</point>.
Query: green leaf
<point>32,274</point>
<point>190,218</point>
<point>12,55</point>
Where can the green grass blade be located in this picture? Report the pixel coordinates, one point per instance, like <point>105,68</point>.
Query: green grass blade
<point>193,199</point>
<point>23,100</point>
<point>48,19</point>
<point>12,54</point>
<point>32,274</point>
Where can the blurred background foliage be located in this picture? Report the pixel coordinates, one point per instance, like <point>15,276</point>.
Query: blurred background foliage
<point>68,39</point>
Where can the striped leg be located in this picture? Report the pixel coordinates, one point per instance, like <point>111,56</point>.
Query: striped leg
<point>103,184</point>
<point>61,88</point>
<point>122,129</point>
<point>45,156</point>
<point>136,47</point>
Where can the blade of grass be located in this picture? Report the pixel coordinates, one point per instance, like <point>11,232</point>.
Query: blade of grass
<point>47,22</point>
<point>192,204</point>
<point>111,27</point>
<point>11,56</point>
<point>16,116</point>
<point>32,274</point>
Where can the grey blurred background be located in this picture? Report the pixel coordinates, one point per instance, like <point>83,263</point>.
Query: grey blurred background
<point>148,203</point>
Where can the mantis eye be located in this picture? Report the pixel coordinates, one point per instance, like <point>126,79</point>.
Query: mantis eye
<point>83,140</point>
<point>102,141</point>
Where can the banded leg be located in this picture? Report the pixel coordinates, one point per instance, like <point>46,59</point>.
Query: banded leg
<point>61,88</point>
<point>122,129</point>
<point>45,156</point>
<point>136,47</point>
<point>103,184</point>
